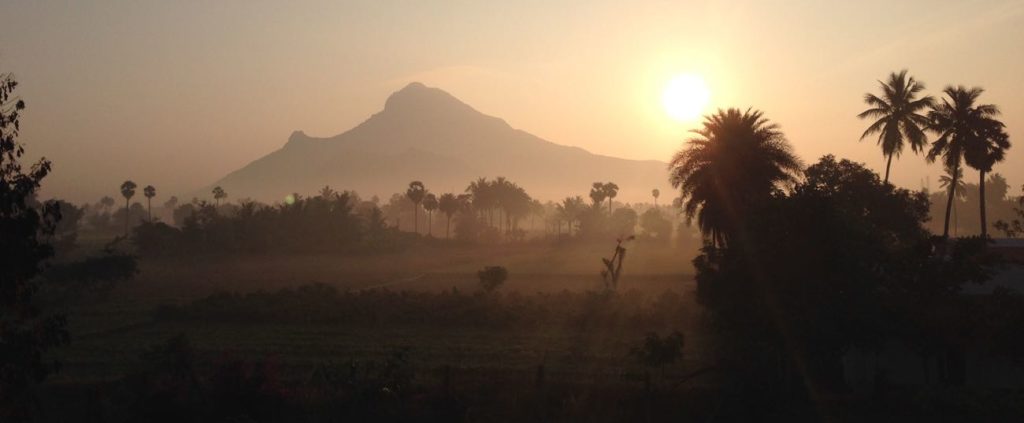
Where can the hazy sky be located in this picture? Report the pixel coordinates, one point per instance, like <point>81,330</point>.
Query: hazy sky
<point>178,93</point>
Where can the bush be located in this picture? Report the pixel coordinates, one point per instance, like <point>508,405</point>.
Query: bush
<point>492,277</point>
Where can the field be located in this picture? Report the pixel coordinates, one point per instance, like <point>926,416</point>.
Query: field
<point>548,317</point>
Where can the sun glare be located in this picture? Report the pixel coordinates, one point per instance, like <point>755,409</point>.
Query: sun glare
<point>685,97</point>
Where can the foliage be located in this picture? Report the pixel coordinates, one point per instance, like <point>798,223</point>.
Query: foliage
<point>657,351</point>
<point>26,332</point>
<point>736,161</point>
<point>899,114</point>
<point>849,240</point>
<point>491,277</point>
<point>1014,228</point>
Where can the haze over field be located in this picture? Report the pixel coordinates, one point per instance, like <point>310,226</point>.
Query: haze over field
<point>181,95</point>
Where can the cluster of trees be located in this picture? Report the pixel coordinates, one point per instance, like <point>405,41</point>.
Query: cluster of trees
<point>329,221</point>
<point>801,265</point>
<point>967,132</point>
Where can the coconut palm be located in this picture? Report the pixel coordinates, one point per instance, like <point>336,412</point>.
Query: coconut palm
<point>656,193</point>
<point>597,194</point>
<point>449,205</point>
<point>899,116</point>
<point>430,204</point>
<point>415,193</point>
<point>735,160</point>
<point>149,191</point>
<point>959,123</point>
<point>127,191</point>
<point>954,180</point>
<point>987,149</point>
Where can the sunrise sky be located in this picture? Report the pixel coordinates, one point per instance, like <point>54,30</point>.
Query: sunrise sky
<point>177,94</point>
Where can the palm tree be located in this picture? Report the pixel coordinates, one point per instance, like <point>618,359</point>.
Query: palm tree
<point>219,194</point>
<point>736,160</point>
<point>597,193</point>
<point>448,204</point>
<point>128,191</point>
<point>953,180</point>
<point>656,193</point>
<point>988,148</point>
<point>898,114</point>
<point>430,204</point>
<point>569,210</point>
<point>958,121</point>
<point>149,191</point>
<point>327,192</point>
<point>610,191</point>
<point>415,193</point>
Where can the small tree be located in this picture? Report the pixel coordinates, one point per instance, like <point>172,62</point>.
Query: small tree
<point>657,351</point>
<point>492,277</point>
<point>655,193</point>
<point>219,194</point>
<point>613,267</point>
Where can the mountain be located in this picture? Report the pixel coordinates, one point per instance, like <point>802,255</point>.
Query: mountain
<point>426,134</point>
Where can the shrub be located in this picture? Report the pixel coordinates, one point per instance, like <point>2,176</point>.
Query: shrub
<point>492,277</point>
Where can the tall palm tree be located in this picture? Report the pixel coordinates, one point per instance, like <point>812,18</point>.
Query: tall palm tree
<point>415,193</point>
<point>430,204</point>
<point>448,204</point>
<point>735,160</point>
<point>656,193</point>
<point>127,191</point>
<point>988,148</point>
<point>899,116</point>
<point>149,191</point>
<point>954,181</point>
<point>958,121</point>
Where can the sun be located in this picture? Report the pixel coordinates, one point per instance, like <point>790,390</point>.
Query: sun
<point>685,97</point>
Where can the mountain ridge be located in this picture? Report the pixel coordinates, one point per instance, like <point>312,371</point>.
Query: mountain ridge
<point>424,133</point>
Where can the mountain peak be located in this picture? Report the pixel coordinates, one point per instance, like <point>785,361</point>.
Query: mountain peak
<point>419,98</point>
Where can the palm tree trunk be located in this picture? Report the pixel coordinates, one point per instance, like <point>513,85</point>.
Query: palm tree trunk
<point>127,211</point>
<point>448,227</point>
<point>415,218</point>
<point>888,165</point>
<point>430,223</point>
<point>609,206</point>
<point>949,201</point>
<point>981,192</point>
<point>149,205</point>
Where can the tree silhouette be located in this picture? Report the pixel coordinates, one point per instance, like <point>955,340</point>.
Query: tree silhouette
<point>26,333</point>
<point>415,193</point>
<point>655,193</point>
<point>736,160</point>
<point>953,181</point>
<point>598,193</point>
<point>149,191</point>
<point>898,117</point>
<point>449,205</point>
<point>987,148</point>
<point>430,204</point>
<point>958,121</point>
<point>107,202</point>
<point>327,192</point>
<point>127,191</point>
<point>610,191</point>
<point>171,203</point>
<point>219,194</point>
<point>570,210</point>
